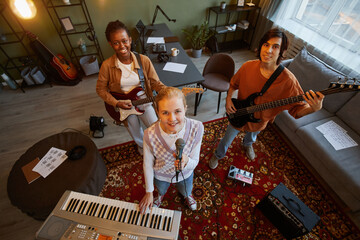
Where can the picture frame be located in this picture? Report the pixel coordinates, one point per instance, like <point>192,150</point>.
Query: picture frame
<point>240,3</point>
<point>67,24</point>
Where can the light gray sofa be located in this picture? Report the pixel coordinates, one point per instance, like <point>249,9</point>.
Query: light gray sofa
<point>340,169</point>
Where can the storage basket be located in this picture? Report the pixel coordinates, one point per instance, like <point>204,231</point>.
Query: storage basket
<point>89,65</point>
<point>25,74</point>
<point>37,75</point>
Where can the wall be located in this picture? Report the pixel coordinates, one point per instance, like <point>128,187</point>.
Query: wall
<point>186,13</point>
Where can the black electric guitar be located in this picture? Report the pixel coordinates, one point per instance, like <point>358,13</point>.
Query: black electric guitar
<point>246,108</point>
<point>120,114</point>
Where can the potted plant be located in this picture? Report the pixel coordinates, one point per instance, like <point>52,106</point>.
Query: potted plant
<point>197,36</point>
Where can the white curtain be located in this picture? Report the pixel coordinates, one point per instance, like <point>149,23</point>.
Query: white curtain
<point>268,9</point>
<point>331,28</point>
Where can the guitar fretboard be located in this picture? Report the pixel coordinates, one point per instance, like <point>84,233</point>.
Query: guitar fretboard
<point>143,101</point>
<point>286,101</point>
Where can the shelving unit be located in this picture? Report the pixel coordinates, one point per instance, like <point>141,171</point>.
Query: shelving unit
<point>14,48</point>
<point>227,40</point>
<point>76,12</point>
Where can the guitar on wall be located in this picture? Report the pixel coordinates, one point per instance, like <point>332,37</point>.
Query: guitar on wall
<point>120,114</point>
<point>246,108</point>
<point>64,68</point>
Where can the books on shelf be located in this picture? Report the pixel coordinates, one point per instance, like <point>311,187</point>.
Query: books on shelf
<point>243,24</point>
<point>221,29</point>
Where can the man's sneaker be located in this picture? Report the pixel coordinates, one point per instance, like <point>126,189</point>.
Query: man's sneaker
<point>250,152</point>
<point>191,202</point>
<point>157,201</point>
<point>213,163</point>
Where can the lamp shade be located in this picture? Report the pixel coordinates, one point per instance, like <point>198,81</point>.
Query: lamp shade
<point>25,9</point>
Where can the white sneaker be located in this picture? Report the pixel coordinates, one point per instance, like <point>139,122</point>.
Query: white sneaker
<point>250,152</point>
<point>158,200</point>
<point>191,202</point>
<point>213,163</point>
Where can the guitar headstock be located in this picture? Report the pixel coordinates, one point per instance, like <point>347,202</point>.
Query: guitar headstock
<point>188,90</point>
<point>346,83</point>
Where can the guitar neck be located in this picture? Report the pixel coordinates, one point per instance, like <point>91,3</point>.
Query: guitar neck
<point>286,101</point>
<point>186,91</point>
<point>143,101</point>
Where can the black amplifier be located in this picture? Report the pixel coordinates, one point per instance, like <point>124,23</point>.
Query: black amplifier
<point>288,213</point>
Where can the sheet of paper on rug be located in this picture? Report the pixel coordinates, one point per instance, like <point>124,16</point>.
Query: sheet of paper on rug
<point>155,40</point>
<point>175,67</point>
<point>336,135</point>
<point>52,159</point>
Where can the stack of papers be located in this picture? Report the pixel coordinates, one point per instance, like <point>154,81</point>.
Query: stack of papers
<point>175,67</point>
<point>336,135</point>
<point>52,159</point>
<point>44,166</point>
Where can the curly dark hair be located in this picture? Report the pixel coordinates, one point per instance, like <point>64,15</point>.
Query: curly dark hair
<point>275,32</point>
<point>115,26</point>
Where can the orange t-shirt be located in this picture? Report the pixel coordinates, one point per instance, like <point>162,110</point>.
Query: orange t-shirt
<point>248,80</point>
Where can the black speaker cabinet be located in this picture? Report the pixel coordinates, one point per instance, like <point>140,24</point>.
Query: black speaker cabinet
<point>288,213</point>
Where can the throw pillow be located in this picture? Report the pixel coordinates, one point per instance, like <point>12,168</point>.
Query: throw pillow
<point>314,74</point>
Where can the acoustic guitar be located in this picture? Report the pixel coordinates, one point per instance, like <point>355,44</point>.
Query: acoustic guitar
<point>66,69</point>
<point>246,108</point>
<point>120,114</point>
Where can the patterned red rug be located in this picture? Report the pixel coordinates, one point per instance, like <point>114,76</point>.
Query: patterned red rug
<point>226,209</point>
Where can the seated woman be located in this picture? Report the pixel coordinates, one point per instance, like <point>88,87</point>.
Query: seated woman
<point>160,163</point>
<point>119,74</point>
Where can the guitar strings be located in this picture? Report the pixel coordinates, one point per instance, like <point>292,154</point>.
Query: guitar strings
<point>282,102</point>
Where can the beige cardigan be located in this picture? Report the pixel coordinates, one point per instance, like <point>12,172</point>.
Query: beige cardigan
<point>110,78</point>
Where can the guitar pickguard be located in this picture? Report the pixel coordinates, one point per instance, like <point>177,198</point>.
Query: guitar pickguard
<point>124,113</point>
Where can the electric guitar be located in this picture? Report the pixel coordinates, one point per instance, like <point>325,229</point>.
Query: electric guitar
<point>65,69</point>
<point>246,108</point>
<point>120,114</point>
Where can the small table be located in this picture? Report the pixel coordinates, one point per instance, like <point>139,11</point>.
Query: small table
<point>174,79</point>
<point>86,175</point>
<point>191,74</point>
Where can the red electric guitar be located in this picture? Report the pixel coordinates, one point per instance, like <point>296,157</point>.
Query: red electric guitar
<point>65,69</point>
<point>119,114</point>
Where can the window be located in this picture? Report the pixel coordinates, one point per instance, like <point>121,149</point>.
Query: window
<point>333,26</point>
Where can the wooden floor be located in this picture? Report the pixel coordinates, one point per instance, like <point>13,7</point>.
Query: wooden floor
<point>29,117</point>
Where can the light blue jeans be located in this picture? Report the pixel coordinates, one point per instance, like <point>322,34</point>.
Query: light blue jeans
<point>184,187</point>
<point>230,134</point>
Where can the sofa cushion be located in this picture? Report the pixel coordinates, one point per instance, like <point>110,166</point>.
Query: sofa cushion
<point>350,113</point>
<point>314,74</point>
<point>293,124</point>
<point>344,164</point>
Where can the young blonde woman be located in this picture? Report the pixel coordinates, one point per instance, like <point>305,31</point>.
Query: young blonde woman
<point>160,162</point>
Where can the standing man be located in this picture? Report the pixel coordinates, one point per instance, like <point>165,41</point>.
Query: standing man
<point>250,78</point>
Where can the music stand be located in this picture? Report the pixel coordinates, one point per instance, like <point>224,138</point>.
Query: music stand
<point>143,31</point>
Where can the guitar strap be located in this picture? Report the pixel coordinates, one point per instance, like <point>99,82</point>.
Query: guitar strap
<point>140,71</point>
<point>271,79</point>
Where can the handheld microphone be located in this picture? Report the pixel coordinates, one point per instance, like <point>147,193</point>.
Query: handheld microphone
<point>180,143</point>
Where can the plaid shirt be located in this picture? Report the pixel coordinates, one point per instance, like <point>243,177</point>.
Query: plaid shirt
<point>163,166</point>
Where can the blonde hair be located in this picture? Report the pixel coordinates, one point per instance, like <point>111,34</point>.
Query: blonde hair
<point>168,92</point>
